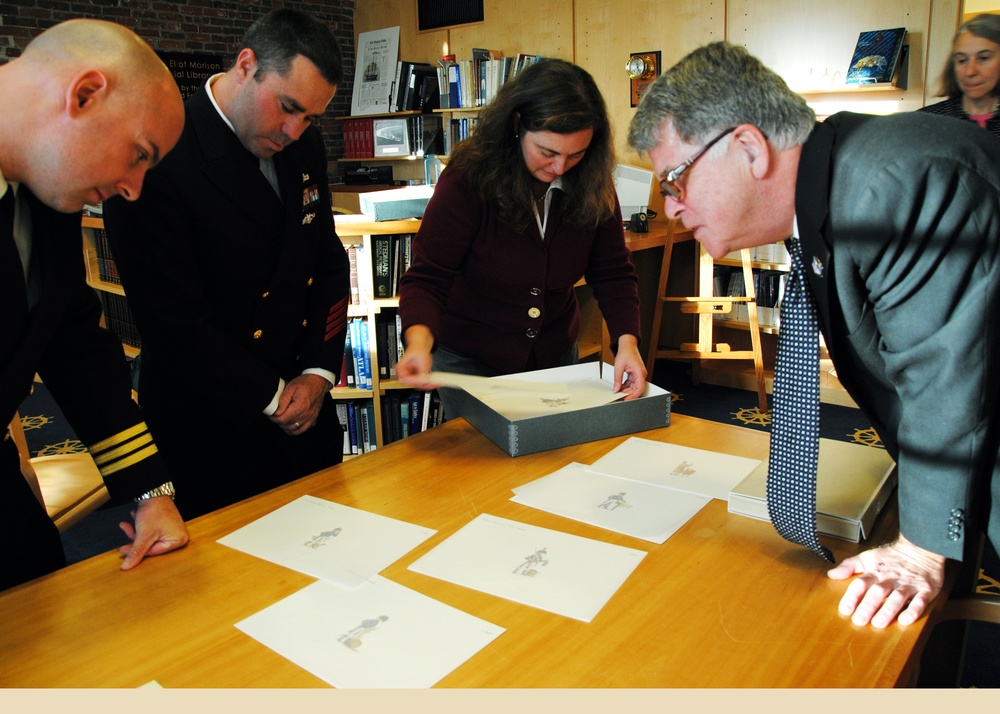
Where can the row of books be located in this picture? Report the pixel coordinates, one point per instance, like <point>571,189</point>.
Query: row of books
<point>118,318</point>
<point>359,137</point>
<point>415,135</point>
<point>407,413</point>
<point>356,370</point>
<point>457,128</point>
<point>403,414</point>
<point>769,288</point>
<point>415,88</point>
<point>472,83</point>
<point>391,258</point>
<point>106,268</point>
<point>388,343</point>
<point>357,420</point>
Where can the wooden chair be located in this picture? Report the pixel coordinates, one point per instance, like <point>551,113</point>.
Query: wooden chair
<point>68,485</point>
<point>706,306</point>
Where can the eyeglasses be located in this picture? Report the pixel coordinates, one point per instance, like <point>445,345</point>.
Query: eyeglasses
<point>669,186</point>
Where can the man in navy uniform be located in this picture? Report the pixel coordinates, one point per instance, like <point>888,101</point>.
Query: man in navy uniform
<point>240,285</point>
<point>88,108</point>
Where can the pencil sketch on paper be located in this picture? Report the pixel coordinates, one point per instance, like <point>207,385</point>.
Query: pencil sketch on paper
<point>528,567</point>
<point>615,501</point>
<point>683,469</point>
<point>318,541</point>
<point>352,638</point>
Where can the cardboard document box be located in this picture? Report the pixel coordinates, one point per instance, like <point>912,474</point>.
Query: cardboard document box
<point>396,204</point>
<point>552,431</point>
<point>853,483</point>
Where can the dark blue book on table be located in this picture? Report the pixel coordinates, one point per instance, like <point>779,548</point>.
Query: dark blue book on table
<point>876,56</point>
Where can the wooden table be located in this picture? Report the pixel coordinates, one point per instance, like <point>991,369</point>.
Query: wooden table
<point>725,602</point>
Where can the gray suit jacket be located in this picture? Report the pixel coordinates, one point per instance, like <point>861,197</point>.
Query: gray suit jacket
<point>899,217</point>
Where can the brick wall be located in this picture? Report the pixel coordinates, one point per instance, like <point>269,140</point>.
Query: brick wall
<point>203,26</point>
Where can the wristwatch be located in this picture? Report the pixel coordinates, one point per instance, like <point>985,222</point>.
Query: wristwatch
<point>166,489</point>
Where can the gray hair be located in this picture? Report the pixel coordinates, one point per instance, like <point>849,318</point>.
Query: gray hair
<point>986,26</point>
<point>716,87</point>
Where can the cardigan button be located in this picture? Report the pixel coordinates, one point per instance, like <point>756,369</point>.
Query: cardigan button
<point>535,291</point>
<point>531,333</point>
<point>534,312</point>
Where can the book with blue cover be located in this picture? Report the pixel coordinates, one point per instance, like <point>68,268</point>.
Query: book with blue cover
<point>876,56</point>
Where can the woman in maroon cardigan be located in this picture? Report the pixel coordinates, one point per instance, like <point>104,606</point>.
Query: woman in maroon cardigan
<point>525,208</point>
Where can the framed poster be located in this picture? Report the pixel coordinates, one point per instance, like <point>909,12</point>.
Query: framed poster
<point>375,71</point>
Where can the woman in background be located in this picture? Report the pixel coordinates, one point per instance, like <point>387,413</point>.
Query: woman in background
<point>525,207</point>
<point>970,78</point>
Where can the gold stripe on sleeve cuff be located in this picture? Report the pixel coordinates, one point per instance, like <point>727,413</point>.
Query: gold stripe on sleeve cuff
<point>124,449</point>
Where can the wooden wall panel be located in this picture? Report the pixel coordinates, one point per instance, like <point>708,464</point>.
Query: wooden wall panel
<point>606,33</point>
<point>413,45</point>
<point>541,27</point>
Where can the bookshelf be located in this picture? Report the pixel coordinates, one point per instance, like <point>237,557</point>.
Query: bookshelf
<point>405,168</point>
<point>102,277</point>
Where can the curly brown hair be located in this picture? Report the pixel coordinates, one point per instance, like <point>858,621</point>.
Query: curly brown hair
<point>549,95</point>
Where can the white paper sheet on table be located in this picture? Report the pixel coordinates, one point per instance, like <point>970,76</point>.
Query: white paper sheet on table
<point>379,635</point>
<point>638,509</point>
<point>547,569</point>
<point>680,467</point>
<point>338,543</point>
<point>532,394</point>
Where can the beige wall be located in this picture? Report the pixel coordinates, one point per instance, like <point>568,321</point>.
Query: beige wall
<point>803,40</point>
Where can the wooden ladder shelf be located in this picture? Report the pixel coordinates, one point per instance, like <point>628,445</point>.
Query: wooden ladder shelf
<point>706,306</point>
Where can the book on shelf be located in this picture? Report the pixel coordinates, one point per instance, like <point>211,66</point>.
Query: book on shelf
<point>391,258</point>
<point>358,331</point>
<point>415,99</point>
<point>353,425</point>
<point>853,484</point>
<point>401,84</point>
<point>352,257</point>
<point>876,56</point>
<point>381,270</point>
<point>341,408</point>
<point>348,377</point>
<point>359,137</point>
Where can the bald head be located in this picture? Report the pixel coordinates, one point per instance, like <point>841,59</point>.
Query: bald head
<point>122,54</point>
<point>94,108</point>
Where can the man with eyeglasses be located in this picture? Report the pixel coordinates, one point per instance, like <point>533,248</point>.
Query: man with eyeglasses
<point>899,220</point>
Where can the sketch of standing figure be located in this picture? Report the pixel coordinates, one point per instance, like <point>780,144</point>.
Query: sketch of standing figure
<point>352,638</point>
<point>615,501</point>
<point>321,539</point>
<point>528,566</point>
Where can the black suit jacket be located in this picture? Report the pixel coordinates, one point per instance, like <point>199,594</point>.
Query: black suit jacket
<point>231,288</point>
<point>84,368</point>
<point>899,219</point>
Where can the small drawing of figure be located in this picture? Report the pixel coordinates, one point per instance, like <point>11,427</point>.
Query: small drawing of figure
<point>615,501</point>
<point>682,469</point>
<point>527,567</point>
<point>555,403</point>
<point>352,638</point>
<point>322,538</point>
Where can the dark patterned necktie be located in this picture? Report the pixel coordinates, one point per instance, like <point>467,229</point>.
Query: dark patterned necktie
<point>791,473</point>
